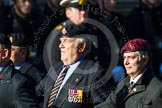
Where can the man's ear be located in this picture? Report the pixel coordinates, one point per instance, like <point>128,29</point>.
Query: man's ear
<point>68,14</point>
<point>82,46</point>
<point>5,53</point>
<point>145,59</point>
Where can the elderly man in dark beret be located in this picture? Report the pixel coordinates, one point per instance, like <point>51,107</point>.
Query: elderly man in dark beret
<point>77,13</point>
<point>81,86</point>
<point>141,89</point>
<point>15,90</point>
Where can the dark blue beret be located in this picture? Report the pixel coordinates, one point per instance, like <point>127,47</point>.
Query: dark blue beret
<point>80,31</point>
<point>4,40</point>
<point>136,45</point>
<point>18,39</point>
<point>73,30</point>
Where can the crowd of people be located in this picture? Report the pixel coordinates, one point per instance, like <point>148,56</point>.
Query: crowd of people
<point>80,54</point>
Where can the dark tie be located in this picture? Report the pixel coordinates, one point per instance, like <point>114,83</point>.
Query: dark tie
<point>130,88</point>
<point>56,87</point>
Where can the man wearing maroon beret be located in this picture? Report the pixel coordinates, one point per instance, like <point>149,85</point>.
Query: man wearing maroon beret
<point>141,89</point>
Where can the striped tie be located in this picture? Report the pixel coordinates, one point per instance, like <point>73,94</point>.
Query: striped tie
<point>131,85</point>
<point>56,87</point>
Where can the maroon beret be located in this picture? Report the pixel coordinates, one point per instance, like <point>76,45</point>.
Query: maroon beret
<point>136,45</point>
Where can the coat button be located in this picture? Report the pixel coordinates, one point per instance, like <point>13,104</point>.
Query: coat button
<point>8,81</point>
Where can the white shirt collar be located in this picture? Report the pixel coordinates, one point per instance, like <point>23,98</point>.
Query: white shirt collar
<point>69,73</point>
<point>136,79</point>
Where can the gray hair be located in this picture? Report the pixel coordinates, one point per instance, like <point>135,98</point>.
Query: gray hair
<point>143,54</point>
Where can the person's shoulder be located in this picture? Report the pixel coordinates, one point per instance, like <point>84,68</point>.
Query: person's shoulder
<point>123,82</point>
<point>156,82</point>
<point>19,80</point>
<point>31,69</point>
<point>155,86</point>
<point>18,76</point>
<point>29,66</point>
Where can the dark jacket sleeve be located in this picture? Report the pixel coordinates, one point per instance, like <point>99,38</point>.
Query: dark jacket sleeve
<point>41,86</point>
<point>101,88</point>
<point>25,96</point>
<point>110,101</point>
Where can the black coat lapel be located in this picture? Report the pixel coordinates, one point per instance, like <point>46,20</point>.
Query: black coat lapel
<point>48,91</point>
<point>52,76</point>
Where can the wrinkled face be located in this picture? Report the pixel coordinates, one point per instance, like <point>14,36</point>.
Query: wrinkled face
<point>69,50</point>
<point>24,6</point>
<point>132,64</point>
<point>75,15</point>
<point>17,55</point>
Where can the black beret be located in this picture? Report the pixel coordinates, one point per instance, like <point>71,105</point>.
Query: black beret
<point>79,31</point>
<point>4,40</point>
<point>18,39</point>
<point>73,30</point>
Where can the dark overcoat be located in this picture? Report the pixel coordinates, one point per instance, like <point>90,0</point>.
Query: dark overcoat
<point>15,90</point>
<point>147,94</point>
<point>87,77</point>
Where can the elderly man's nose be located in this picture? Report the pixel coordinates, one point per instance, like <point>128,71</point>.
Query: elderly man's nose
<point>126,62</point>
<point>61,45</point>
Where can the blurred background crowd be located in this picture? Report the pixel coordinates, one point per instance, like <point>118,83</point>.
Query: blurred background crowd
<point>37,18</point>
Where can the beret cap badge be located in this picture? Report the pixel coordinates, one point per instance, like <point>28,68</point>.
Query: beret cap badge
<point>11,39</point>
<point>64,31</point>
<point>131,46</point>
<point>81,2</point>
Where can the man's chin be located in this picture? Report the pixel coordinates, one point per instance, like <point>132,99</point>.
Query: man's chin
<point>128,72</point>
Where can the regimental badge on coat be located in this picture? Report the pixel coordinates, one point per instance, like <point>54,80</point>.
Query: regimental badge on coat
<point>75,96</point>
